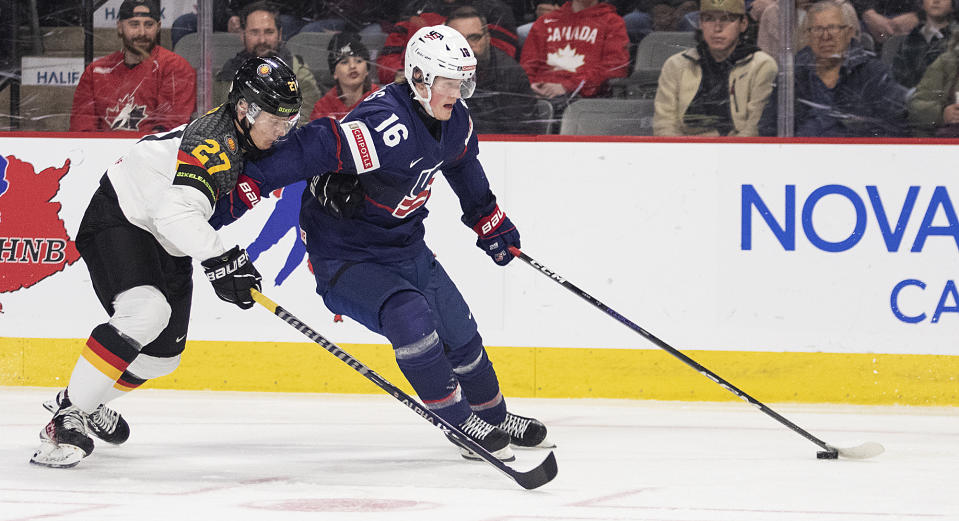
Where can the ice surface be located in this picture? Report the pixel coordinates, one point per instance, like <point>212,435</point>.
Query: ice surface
<point>265,457</point>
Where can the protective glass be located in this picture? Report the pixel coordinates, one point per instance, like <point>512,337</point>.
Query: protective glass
<point>452,87</point>
<point>277,125</point>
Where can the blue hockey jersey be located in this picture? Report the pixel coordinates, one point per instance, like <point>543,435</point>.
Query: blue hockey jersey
<point>386,143</point>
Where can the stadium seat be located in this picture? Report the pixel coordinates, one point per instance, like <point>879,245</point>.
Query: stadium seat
<point>312,47</point>
<point>543,118</point>
<point>651,54</point>
<point>225,46</point>
<point>45,107</point>
<point>609,117</point>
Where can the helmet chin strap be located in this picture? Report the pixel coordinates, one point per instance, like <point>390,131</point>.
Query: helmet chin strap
<point>424,101</point>
<point>246,142</point>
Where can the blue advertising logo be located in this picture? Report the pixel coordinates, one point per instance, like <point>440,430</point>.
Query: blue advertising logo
<point>893,234</point>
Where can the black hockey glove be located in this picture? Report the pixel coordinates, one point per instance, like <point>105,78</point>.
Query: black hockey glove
<point>341,194</point>
<point>496,234</point>
<point>232,275</point>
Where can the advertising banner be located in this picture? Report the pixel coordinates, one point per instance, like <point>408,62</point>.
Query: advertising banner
<point>712,246</point>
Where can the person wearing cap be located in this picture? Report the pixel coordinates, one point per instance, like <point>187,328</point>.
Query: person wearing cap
<point>349,62</point>
<point>142,87</point>
<point>721,86</point>
<point>262,37</point>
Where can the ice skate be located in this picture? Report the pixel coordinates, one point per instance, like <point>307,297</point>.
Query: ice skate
<point>64,441</point>
<point>104,423</point>
<point>490,437</point>
<point>525,432</point>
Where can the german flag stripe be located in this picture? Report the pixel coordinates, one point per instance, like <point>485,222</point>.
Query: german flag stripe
<point>188,174</point>
<point>106,362</point>
<point>123,385</point>
<point>184,157</point>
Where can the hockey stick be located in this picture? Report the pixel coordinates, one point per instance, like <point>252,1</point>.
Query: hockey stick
<point>533,478</point>
<point>863,451</point>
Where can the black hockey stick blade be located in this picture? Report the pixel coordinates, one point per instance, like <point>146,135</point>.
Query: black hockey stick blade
<point>863,451</point>
<point>533,478</point>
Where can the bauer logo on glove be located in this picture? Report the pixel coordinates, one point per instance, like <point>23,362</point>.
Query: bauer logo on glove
<point>230,268</point>
<point>232,275</point>
<point>496,234</point>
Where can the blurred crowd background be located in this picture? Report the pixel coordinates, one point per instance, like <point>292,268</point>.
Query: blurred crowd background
<point>832,68</point>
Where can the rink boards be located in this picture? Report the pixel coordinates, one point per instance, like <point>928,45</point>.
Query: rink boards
<point>800,272</point>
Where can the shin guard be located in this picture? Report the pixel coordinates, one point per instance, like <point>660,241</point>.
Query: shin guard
<point>406,320</point>
<point>103,361</point>
<point>473,369</point>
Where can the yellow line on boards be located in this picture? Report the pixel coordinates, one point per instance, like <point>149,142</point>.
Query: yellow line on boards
<point>771,377</point>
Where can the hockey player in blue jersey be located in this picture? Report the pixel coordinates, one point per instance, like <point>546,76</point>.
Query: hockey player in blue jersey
<point>370,177</point>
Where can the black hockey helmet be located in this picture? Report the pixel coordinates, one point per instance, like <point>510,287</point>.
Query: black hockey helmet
<point>270,84</point>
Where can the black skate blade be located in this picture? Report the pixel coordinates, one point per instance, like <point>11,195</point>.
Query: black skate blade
<point>538,476</point>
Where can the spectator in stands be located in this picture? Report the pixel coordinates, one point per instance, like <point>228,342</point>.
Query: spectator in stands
<point>262,37</point>
<point>664,15</point>
<point>721,86</point>
<point>769,34</point>
<point>885,18</point>
<point>841,89</point>
<point>142,87</point>
<point>572,52</point>
<point>365,17</point>
<point>925,43</point>
<point>503,102</point>
<point>542,8</point>
<point>934,109</point>
<point>350,66</point>
<point>227,15</point>
<point>422,13</point>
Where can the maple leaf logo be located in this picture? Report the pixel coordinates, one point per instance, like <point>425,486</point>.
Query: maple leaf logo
<point>126,114</point>
<point>565,59</point>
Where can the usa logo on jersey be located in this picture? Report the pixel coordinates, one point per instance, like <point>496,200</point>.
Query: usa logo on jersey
<point>419,194</point>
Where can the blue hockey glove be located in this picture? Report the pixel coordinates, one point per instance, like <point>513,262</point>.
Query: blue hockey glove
<point>245,195</point>
<point>496,234</point>
<point>341,194</point>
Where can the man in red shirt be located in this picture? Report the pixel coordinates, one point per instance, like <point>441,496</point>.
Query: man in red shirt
<point>142,87</point>
<point>572,51</point>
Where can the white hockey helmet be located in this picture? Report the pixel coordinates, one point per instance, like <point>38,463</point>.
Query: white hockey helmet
<point>439,50</point>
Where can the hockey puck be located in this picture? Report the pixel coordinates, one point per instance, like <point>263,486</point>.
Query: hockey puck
<point>827,454</point>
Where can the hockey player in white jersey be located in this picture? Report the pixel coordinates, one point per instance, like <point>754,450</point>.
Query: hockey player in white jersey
<point>145,223</point>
